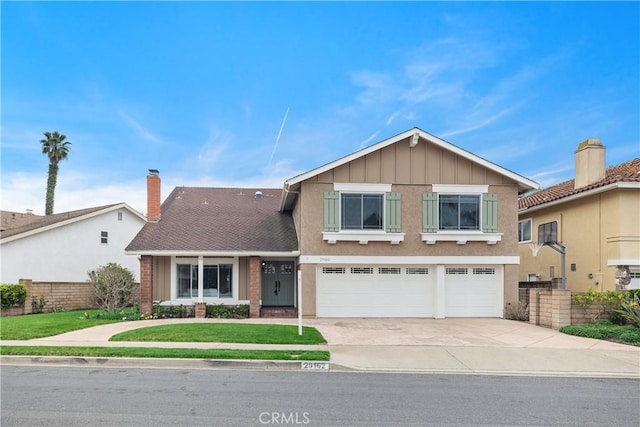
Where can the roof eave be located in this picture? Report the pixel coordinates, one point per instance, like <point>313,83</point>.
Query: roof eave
<point>71,221</point>
<point>295,253</point>
<point>524,184</point>
<point>615,185</point>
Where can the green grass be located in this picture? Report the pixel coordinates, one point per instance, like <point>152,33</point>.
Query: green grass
<point>32,326</point>
<point>605,330</point>
<point>224,332</point>
<point>168,353</point>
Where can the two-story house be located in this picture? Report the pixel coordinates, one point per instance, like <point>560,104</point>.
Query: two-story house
<point>596,218</point>
<point>412,226</point>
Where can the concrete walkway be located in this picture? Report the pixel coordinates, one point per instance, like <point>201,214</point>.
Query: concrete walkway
<point>472,346</point>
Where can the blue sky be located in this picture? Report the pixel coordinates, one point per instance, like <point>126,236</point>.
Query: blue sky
<point>199,90</point>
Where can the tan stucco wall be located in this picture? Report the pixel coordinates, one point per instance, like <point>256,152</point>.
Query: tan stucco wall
<point>594,229</point>
<point>312,226</point>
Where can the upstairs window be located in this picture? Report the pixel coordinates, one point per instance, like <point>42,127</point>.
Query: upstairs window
<point>361,211</point>
<point>104,237</point>
<point>458,212</point>
<point>524,230</point>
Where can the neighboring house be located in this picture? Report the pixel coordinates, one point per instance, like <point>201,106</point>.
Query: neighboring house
<point>595,216</point>
<point>412,226</point>
<point>63,247</point>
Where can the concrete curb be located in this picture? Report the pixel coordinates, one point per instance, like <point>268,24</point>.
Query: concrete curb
<point>140,362</point>
<point>276,365</point>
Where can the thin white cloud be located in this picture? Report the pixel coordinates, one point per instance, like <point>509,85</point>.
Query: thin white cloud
<point>140,130</point>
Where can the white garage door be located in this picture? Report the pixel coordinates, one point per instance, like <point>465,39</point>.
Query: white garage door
<point>374,291</point>
<point>473,291</point>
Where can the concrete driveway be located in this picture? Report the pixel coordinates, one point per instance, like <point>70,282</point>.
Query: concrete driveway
<point>482,332</point>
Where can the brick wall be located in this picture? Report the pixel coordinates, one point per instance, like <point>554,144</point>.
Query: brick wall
<point>255,283</point>
<point>67,295</point>
<point>146,284</point>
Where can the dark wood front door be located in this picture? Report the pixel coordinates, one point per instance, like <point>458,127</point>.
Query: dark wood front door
<point>278,284</point>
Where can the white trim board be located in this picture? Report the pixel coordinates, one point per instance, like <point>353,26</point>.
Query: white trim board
<point>409,260</point>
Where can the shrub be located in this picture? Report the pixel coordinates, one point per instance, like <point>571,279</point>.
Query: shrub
<point>171,311</point>
<point>630,310</point>
<point>114,286</point>
<point>221,311</point>
<point>37,304</point>
<point>602,300</point>
<point>518,311</point>
<point>12,296</point>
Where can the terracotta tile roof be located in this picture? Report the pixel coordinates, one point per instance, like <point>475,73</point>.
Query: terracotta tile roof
<point>14,223</point>
<point>219,219</point>
<point>624,172</point>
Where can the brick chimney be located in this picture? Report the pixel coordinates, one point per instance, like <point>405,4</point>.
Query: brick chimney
<point>153,196</point>
<point>590,162</point>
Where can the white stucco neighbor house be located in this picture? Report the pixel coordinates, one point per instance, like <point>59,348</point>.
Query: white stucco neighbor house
<point>63,247</point>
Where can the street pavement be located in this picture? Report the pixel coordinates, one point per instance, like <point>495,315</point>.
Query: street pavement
<point>460,346</point>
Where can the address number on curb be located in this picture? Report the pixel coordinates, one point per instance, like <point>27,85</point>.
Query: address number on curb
<point>315,365</point>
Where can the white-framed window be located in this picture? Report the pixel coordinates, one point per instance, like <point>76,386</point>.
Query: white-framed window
<point>104,237</point>
<point>119,216</point>
<point>217,280</point>
<point>360,211</point>
<point>458,212</point>
<point>524,230</point>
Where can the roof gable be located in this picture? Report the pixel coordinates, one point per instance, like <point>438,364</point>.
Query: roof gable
<point>35,224</point>
<point>413,136</point>
<point>627,172</point>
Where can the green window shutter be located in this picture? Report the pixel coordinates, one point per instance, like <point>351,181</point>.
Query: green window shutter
<point>430,213</point>
<point>393,213</point>
<point>331,211</point>
<point>490,213</point>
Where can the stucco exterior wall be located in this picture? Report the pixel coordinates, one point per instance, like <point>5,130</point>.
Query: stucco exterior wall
<point>595,230</point>
<point>411,171</point>
<point>67,253</point>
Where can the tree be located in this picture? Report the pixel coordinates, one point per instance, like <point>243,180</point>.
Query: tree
<point>56,147</point>
<point>114,286</point>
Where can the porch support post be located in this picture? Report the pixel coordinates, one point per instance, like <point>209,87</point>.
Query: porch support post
<point>146,284</point>
<point>255,283</point>
<point>200,278</point>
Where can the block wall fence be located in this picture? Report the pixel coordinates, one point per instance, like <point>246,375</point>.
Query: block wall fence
<point>67,295</point>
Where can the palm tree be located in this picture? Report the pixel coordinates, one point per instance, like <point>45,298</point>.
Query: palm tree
<point>56,147</point>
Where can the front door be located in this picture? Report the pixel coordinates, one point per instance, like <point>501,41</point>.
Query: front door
<point>278,284</point>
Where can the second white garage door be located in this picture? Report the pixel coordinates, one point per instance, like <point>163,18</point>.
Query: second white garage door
<point>473,291</point>
<point>374,291</point>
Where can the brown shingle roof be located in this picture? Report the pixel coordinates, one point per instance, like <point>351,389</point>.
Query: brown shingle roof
<point>15,223</point>
<point>624,172</point>
<point>219,219</point>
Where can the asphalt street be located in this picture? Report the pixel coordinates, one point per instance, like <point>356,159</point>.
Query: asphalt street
<point>80,396</point>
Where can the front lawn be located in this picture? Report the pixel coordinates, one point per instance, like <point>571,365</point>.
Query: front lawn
<point>181,353</point>
<point>605,330</point>
<point>30,326</point>
<point>224,332</point>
